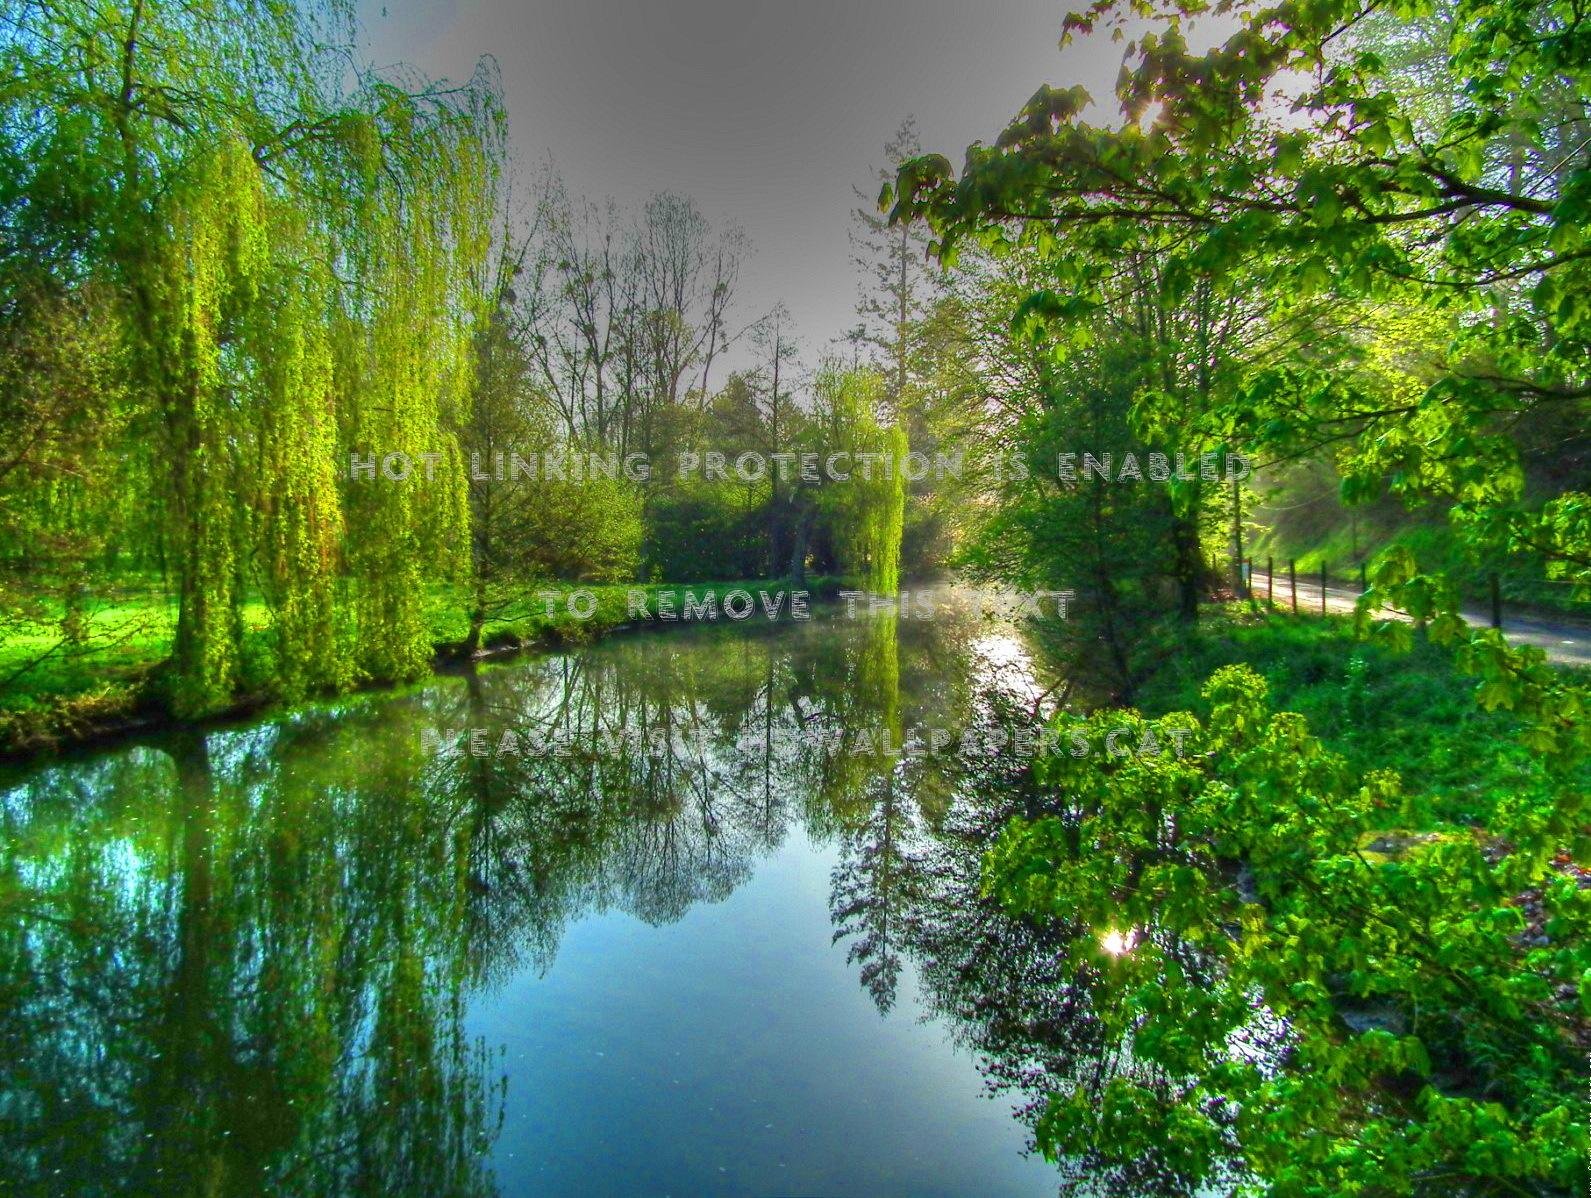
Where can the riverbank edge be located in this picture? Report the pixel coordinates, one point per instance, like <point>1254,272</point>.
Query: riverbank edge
<point>103,718</point>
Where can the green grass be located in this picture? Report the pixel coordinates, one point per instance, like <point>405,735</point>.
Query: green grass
<point>1414,713</point>
<point>114,676</point>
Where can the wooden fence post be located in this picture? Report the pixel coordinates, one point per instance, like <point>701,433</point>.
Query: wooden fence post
<point>1270,582</point>
<point>1292,577</point>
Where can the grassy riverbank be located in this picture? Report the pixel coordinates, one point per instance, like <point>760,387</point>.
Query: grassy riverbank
<point>54,694</point>
<point>1410,712</point>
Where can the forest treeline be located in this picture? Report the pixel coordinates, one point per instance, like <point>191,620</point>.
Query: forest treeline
<point>235,260</point>
<point>237,263</point>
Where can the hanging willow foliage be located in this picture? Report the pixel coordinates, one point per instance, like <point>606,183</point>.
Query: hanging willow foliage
<point>868,510</point>
<point>261,407</point>
<point>215,256</point>
<point>291,251</point>
<point>409,351</point>
<point>298,506</point>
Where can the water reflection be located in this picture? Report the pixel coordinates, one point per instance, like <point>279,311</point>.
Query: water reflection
<point>242,963</point>
<point>234,967</point>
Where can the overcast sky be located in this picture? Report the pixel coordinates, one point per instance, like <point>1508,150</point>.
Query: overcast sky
<point>765,113</point>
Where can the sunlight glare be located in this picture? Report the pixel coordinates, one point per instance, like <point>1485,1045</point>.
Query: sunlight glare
<point>1117,944</point>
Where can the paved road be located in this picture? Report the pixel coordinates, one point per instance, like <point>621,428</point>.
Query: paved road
<point>1565,641</point>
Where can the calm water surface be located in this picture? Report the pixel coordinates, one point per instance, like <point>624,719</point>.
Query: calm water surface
<point>737,952</point>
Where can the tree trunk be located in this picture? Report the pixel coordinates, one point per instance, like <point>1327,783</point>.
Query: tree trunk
<point>1189,567</point>
<point>1238,586</point>
<point>798,550</point>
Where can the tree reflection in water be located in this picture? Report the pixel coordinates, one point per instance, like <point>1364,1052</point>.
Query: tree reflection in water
<point>239,962</point>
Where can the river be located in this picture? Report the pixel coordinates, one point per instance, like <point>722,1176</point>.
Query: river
<point>674,913</point>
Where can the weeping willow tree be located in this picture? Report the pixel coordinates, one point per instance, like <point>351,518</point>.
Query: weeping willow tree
<point>409,353</point>
<point>866,512</point>
<point>261,402</point>
<point>202,305</point>
<point>300,522</point>
<point>294,252</point>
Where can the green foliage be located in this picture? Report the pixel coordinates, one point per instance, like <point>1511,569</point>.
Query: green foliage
<point>704,528</point>
<point>865,512</point>
<point>284,253</point>
<point>1387,203</point>
<point>1423,1044</point>
<point>1413,712</point>
<point>1110,540</point>
<point>589,531</point>
<point>1442,238</point>
<point>218,253</point>
<point>423,243</point>
<point>942,412</point>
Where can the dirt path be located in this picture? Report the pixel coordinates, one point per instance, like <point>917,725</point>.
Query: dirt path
<point>1566,642</point>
